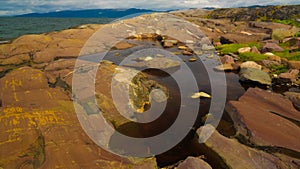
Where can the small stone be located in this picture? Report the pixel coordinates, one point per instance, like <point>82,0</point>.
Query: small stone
<point>193,59</point>
<point>167,44</point>
<point>244,50</point>
<point>250,64</point>
<point>117,54</point>
<point>187,53</point>
<point>200,94</point>
<point>182,47</point>
<point>174,42</point>
<point>269,54</point>
<point>224,67</point>
<point>176,53</point>
<point>148,58</point>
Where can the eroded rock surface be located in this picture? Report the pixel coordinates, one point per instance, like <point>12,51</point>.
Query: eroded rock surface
<point>40,128</point>
<point>266,119</point>
<point>239,156</point>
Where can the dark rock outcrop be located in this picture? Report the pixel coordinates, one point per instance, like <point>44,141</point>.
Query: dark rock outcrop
<point>266,119</point>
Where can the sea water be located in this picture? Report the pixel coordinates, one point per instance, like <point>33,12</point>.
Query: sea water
<point>13,27</point>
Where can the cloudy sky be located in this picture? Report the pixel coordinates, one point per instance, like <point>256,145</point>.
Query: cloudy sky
<point>14,7</point>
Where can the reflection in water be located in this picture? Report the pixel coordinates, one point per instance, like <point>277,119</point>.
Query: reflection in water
<point>170,113</point>
<point>162,120</point>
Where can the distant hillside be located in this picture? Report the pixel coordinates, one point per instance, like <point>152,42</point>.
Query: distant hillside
<point>257,13</point>
<point>91,13</point>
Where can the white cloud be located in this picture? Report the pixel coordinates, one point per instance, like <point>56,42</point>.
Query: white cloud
<point>10,7</point>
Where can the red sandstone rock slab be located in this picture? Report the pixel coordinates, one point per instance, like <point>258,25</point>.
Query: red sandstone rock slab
<point>266,119</point>
<point>237,155</point>
<point>40,128</point>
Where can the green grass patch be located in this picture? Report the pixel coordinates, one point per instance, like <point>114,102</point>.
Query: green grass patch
<point>233,48</point>
<point>252,56</point>
<point>277,69</point>
<point>287,22</point>
<point>290,56</point>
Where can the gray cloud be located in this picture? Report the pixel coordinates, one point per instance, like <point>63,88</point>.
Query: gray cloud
<point>12,7</point>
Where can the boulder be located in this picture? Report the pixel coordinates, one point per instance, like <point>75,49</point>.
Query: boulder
<point>271,47</point>
<point>269,63</point>
<point>193,163</point>
<point>290,76</point>
<point>259,117</point>
<point>227,59</point>
<point>255,75</point>
<point>250,64</point>
<point>237,155</point>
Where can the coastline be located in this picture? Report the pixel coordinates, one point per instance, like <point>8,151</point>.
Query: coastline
<point>36,74</point>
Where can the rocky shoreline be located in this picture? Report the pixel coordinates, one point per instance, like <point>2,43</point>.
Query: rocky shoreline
<point>260,128</point>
